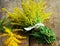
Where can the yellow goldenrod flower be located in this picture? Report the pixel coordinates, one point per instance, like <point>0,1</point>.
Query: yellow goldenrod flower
<point>32,13</point>
<point>12,39</point>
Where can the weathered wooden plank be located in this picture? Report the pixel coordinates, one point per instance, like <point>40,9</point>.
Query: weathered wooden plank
<point>33,42</point>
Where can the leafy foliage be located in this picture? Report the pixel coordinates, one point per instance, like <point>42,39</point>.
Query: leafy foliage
<point>44,35</point>
<point>2,24</point>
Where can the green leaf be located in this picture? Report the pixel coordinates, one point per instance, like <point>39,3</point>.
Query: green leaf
<point>44,35</point>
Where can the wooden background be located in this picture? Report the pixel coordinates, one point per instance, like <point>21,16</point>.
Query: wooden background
<point>53,22</point>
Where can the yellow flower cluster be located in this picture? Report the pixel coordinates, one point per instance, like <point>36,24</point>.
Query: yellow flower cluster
<point>32,12</point>
<point>12,39</point>
<point>36,10</point>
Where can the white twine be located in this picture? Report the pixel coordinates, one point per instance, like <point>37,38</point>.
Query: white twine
<point>35,26</point>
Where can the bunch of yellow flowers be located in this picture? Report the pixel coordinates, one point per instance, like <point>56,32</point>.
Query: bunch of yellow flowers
<point>32,12</point>
<point>12,39</point>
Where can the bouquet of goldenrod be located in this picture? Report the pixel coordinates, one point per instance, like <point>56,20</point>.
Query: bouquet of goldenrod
<point>6,31</point>
<point>30,14</point>
<point>30,17</point>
